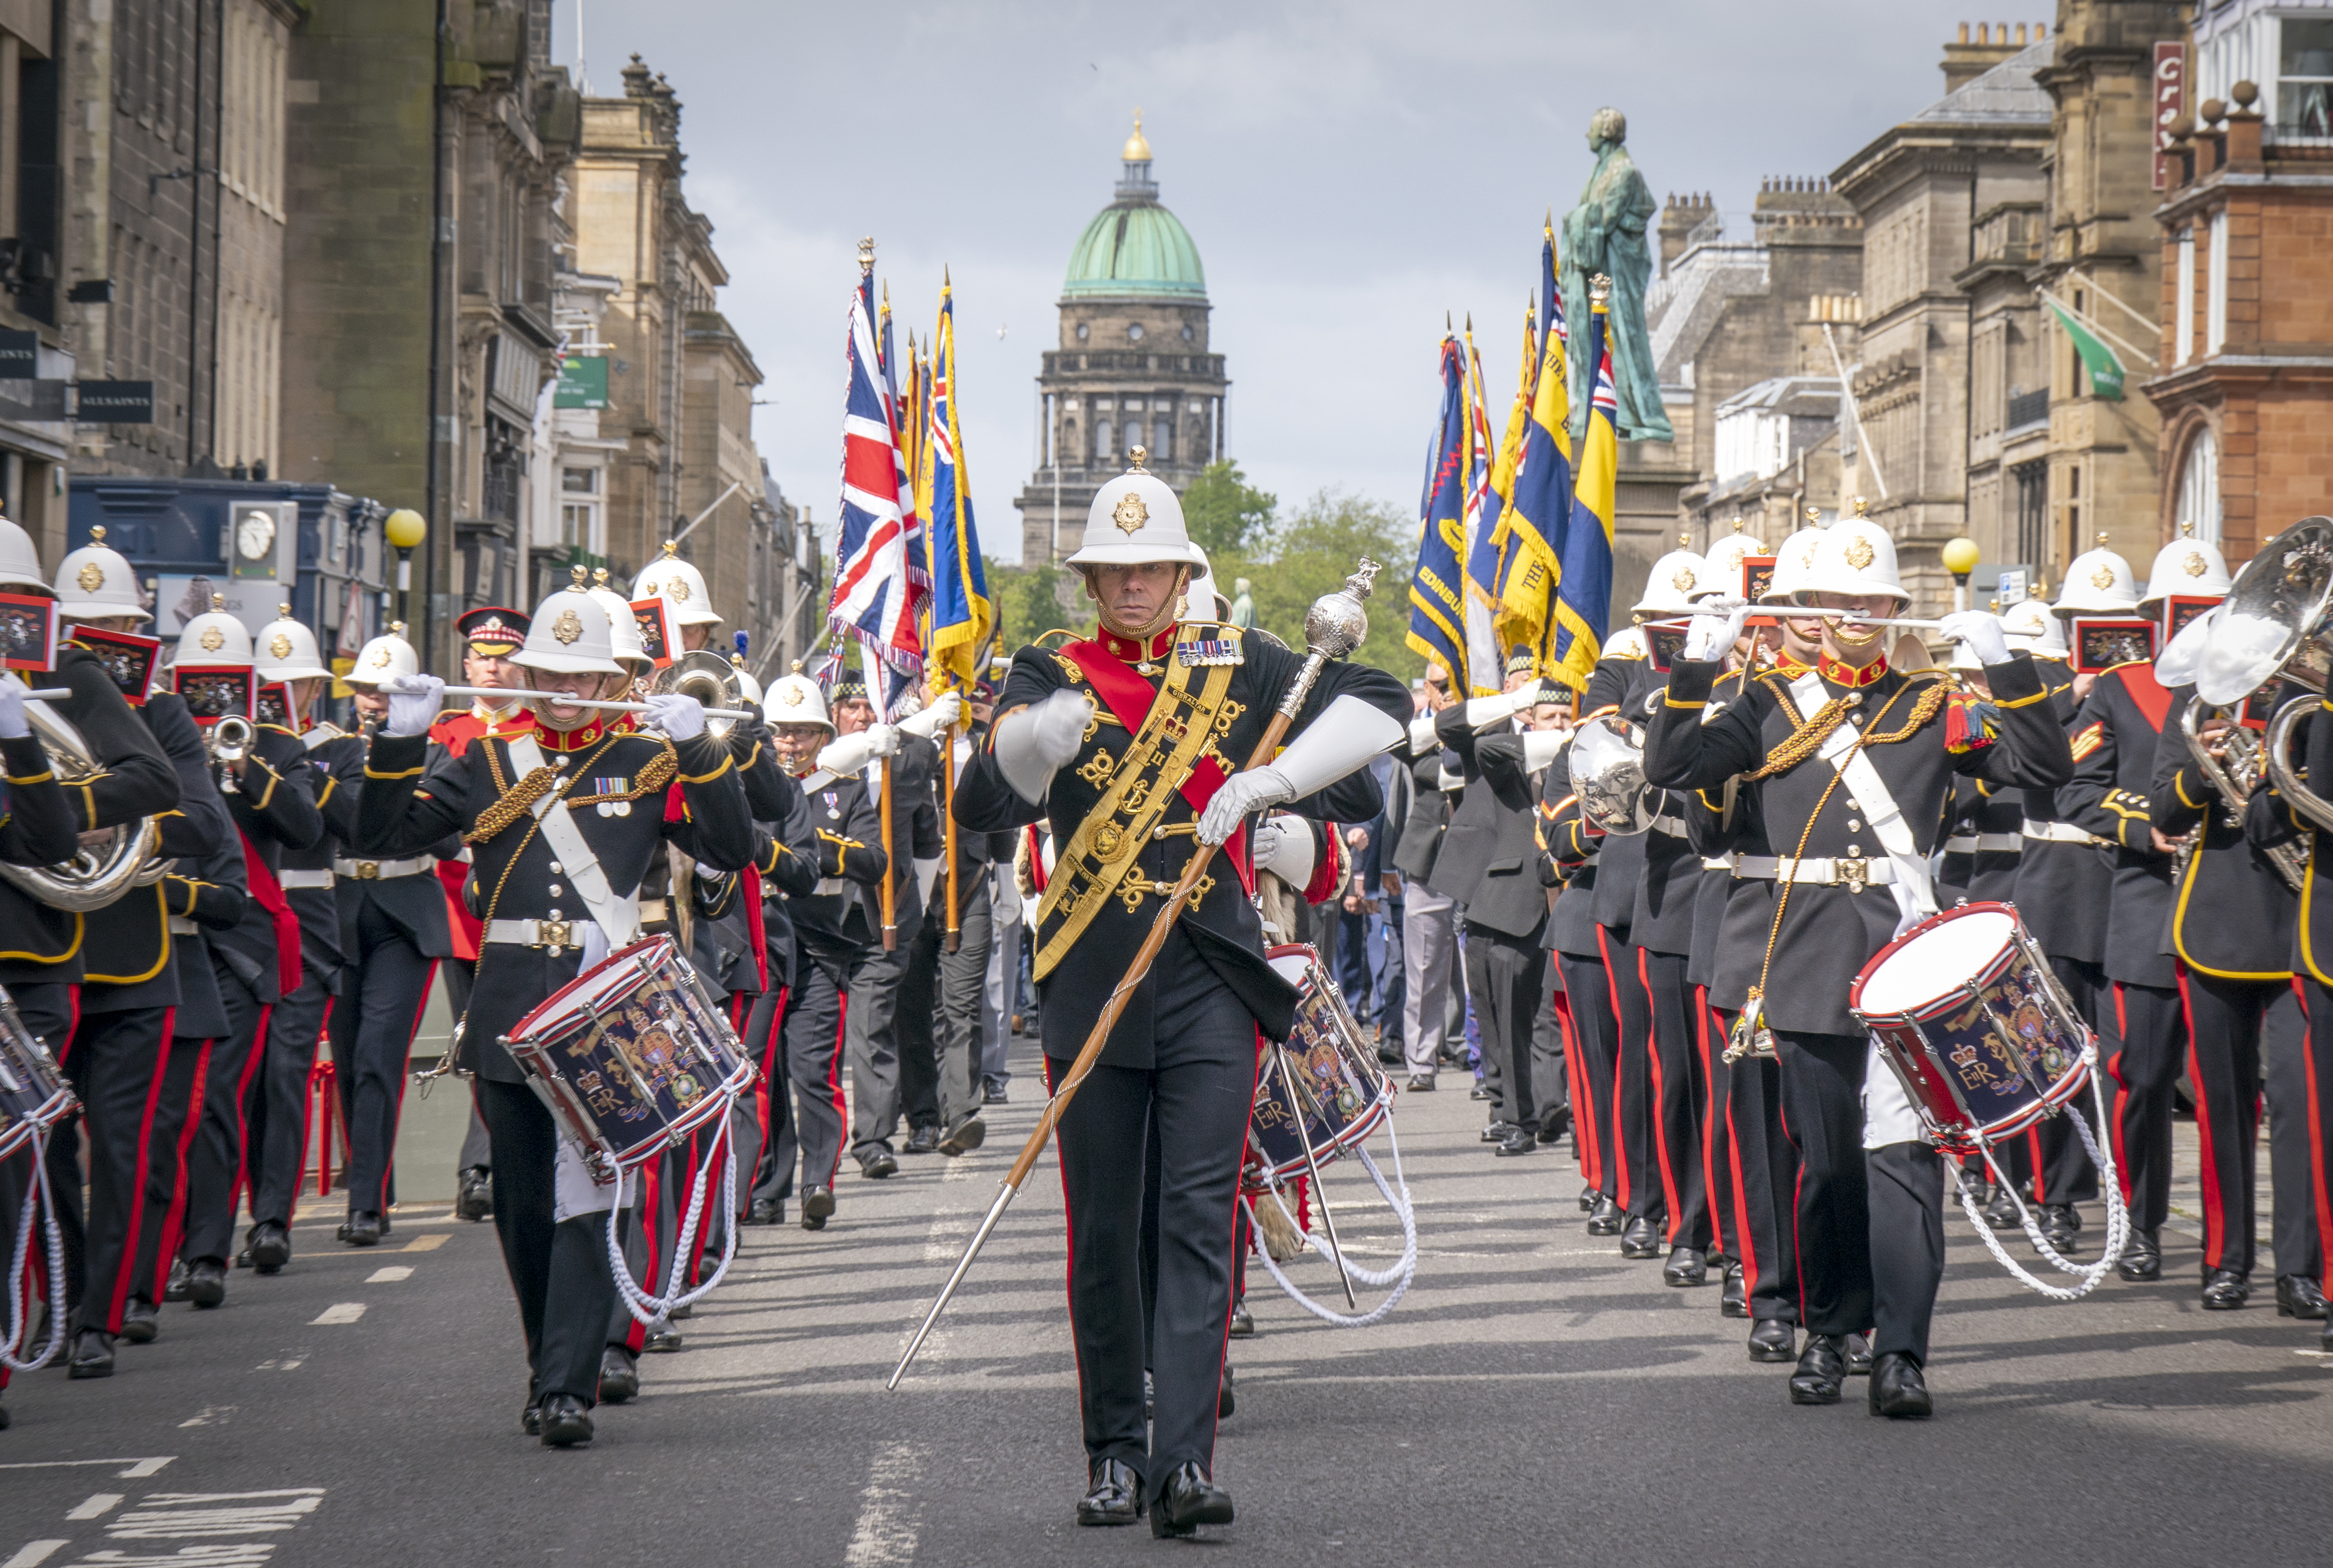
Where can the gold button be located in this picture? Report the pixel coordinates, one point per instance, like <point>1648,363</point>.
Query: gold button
<point>1852,827</point>
<point>555,890</point>
<point>556,868</point>
<point>1856,850</point>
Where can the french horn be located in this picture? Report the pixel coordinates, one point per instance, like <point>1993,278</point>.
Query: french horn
<point>111,860</point>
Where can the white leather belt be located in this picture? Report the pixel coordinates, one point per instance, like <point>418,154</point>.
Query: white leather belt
<point>382,870</point>
<point>1672,826</point>
<point>2062,833</point>
<point>1818,870</point>
<point>833,887</point>
<point>558,935</point>
<point>1984,843</point>
<point>290,879</point>
<point>181,926</point>
<point>1719,862</point>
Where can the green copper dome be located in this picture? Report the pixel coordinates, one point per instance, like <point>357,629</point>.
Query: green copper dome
<point>1134,245</point>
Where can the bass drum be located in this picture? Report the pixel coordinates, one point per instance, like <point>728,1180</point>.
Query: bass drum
<point>34,1092</point>
<point>1322,1087</point>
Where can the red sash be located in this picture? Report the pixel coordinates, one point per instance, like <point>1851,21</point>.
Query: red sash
<point>750,892</point>
<point>270,894</point>
<point>2148,692</point>
<point>1130,698</point>
<point>462,928</point>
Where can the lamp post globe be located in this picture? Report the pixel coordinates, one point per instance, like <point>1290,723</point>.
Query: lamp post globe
<point>1960,557</point>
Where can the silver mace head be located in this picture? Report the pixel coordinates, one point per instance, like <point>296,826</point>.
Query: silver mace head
<point>1337,622</point>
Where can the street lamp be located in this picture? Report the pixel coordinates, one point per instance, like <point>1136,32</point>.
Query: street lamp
<point>405,528</point>
<point>1960,558</point>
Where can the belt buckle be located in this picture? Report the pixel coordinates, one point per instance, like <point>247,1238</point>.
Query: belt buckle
<point>1854,875</point>
<point>368,871</point>
<point>558,935</point>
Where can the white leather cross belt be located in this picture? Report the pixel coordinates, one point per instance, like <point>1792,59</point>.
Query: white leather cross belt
<point>1725,862</point>
<point>1817,870</point>
<point>1984,844</point>
<point>181,926</point>
<point>558,935</point>
<point>2062,833</point>
<point>1672,826</point>
<point>290,879</point>
<point>382,870</point>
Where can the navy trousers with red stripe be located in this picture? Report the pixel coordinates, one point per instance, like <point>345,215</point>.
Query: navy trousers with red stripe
<point>2316,1085</point>
<point>1628,1156</point>
<point>1200,1089</point>
<point>1677,1095</point>
<point>2150,1050</point>
<point>277,1101</point>
<point>2236,1029</point>
<point>371,1042</point>
<point>813,1035</point>
<point>214,1160</point>
<point>1596,1034</point>
<point>1762,1171</point>
<point>115,1061</point>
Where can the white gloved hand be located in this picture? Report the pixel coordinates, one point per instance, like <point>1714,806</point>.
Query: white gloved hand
<point>1712,633</point>
<point>13,725</point>
<point>945,713</point>
<point>1241,793</point>
<point>1422,736</point>
<point>1482,710</point>
<point>1036,743</point>
<point>884,738</point>
<point>1541,747</point>
<point>1981,631</point>
<point>680,717</point>
<point>846,756</point>
<point>414,703</point>
<point>1283,845</point>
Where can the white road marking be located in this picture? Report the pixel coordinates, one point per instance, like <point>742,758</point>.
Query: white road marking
<point>958,1170</point>
<point>887,1510</point>
<point>137,1467</point>
<point>340,1312</point>
<point>390,1275</point>
<point>96,1505</point>
<point>214,1514</point>
<point>34,1553</point>
<point>208,1414</point>
<point>282,1363</point>
<point>225,1555</point>
<point>425,1243</point>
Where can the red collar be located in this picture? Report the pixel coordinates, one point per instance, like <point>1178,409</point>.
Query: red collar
<point>1132,652</point>
<point>1847,675</point>
<point>575,740</point>
<point>1788,663</point>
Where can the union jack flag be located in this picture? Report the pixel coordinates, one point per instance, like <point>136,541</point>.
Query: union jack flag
<point>875,599</point>
<point>900,415</point>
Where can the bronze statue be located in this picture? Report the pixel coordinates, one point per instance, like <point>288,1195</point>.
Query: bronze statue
<point>1606,234</point>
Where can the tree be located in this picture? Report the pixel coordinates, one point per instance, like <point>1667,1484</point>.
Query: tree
<point>1225,515</point>
<point>1029,603</point>
<point>1313,553</point>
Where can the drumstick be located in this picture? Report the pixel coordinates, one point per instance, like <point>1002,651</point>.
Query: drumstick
<point>1304,1137</point>
<point>557,698</point>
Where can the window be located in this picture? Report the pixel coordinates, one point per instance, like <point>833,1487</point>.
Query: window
<point>575,525</point>
<point>2216,301</point>
<point>579,480</point>
<point>1133,434</point>
<point>1162,440</point>
<point>2183,304</point>
<point>2199,487</point>
<point>2304,86</point>
<point>1102,438</point>
<point>2032,483</point>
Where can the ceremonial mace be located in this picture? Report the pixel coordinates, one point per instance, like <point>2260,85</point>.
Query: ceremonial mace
<point>1333,627</point>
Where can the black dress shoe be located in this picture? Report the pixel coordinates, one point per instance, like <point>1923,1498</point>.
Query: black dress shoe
<point>1391,1056</point>
<point>2001,1213</point>
<point>766,1212</point>
<point>922,1141</point>
<point>2060,1227</point>
<point>1521,1141</point>
<point>93,1355</point>
<point>243,1259</point>
<point>1496,1131</point>
<point>2227,1290</point>
<point>1554,1125</point>
<point>1481,1091</point>
<point>965,1136</point>
<point>1640,1238</point>
<point>363,1228</point>
<point>1225,1401</point>
<point>475,1199</point>
<point>660,1342</point>
<point>1685,1267</point>
<point>2298,1295</point>
<point>620,1374</point>
<point>1420,1083</point>
<point>1605,1218</point>
<point>530,1419</point>
<point>1821,1370</point>
<point>566,1421</point>
<point>206,1282</point>
<point>175,1287</point>
<point>2142,1257</point>
<point>1588,1197</point>
<point>1773,1339</point>
<point>1734,1301</point>
<point>1113,1494</point>
<point>1857,1353</point>
<point>271,1247</point>
<point>878,1162</point>
<point>1897,1390</point>
<point>1188,1500</point>
<point>994,1094</point>
<point>141,1320</point>
<point>1242,1321</point>
<point>818,1208</point>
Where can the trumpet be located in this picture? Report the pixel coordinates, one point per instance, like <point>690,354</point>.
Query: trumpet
<point>228,740</point>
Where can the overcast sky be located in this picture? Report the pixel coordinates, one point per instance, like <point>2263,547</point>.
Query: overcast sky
<point>1349,171</point>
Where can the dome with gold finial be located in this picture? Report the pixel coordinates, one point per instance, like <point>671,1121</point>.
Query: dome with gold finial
<point>1135,247</point>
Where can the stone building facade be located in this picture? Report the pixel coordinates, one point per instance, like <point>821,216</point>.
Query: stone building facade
<point>35,444</point>
<point>1132,368</point>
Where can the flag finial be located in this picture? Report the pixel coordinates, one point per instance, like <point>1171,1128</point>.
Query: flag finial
<point>867,254</point>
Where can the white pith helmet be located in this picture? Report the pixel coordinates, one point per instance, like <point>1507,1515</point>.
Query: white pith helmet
<point>1794,560</point>
<point>746,684</point>
<point>385,656</point>
<point>679,580</point>
<point>1134,519</point>
<point>570,636</point>
<point>20,563</point>
<point>1855,557</point>
<point>1627,643</point>
<point>1203,600</point>
<point>287,650</point>
<point>2029,625</point>
<point>214,637</point>
<point>2188,567</point>
<point>623,628</point>
<point>1725,558</point>
<point>2098,582</point>
<point>95,584</point>
<point>1670,586</point>
<point>795,699</point>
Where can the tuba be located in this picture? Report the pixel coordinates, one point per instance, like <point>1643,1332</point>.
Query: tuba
<point>112,860</point>
<point>709,678</point>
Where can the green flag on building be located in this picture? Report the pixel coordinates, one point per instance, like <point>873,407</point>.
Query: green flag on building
<point>2105,368</point>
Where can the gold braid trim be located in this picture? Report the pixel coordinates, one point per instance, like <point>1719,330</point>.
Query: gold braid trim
<point>515,803</point>
<point>1807,739</point>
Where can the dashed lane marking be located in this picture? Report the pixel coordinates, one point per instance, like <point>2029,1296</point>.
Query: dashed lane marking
<point>96,1505</point>
<point>425,1243</point>
<point>34,1553</point>
<point>281,1364</point>
<point>390,1275</point>
<point>889,1511</point>
<point>340,1312</point>
<point>137,1469</point>
<point>209,1415</point>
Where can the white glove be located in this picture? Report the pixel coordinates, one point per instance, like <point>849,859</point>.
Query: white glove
<point>1036,743</point>
<point>414,703</point>
<point>1981,630</point>
<point>1343,736</point>
<point>1283,845</point>
<point>680,717</point>
<point>1712,633</point>
<point>1422,736</point>
<point>1541,747</point>
<point>942,714</point>
<point>847,756</point>
<point>13,725</point>
<point>1241,793</point>
<point>1482,710</point>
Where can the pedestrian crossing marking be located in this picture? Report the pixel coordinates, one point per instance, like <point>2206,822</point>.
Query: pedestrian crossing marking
<point>340,1312</point>
<point>390,1275</point>
<point>97,1506</point>
<point>425,1243</point>
<point>35,1552</point>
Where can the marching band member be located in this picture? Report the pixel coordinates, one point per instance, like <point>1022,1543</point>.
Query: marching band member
<point>1128,782</point>
<point>679,582</point>
<point>1575,850</point>
<point>1848,765</point>
<point>558,890</point>
<point>1428,918</point>
<point>2313,961</point>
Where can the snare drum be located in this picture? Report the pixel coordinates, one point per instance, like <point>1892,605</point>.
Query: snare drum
<point>1966,1011</point>
<point>631,1056</point>
<point>1325,1078</point>
<point>34,1092</point>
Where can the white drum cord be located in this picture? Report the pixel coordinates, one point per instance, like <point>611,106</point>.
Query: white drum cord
<point>2101,1153</point>
<point>1399,1276</point>
<point>656,1311</point>
<point>39,1204</point>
